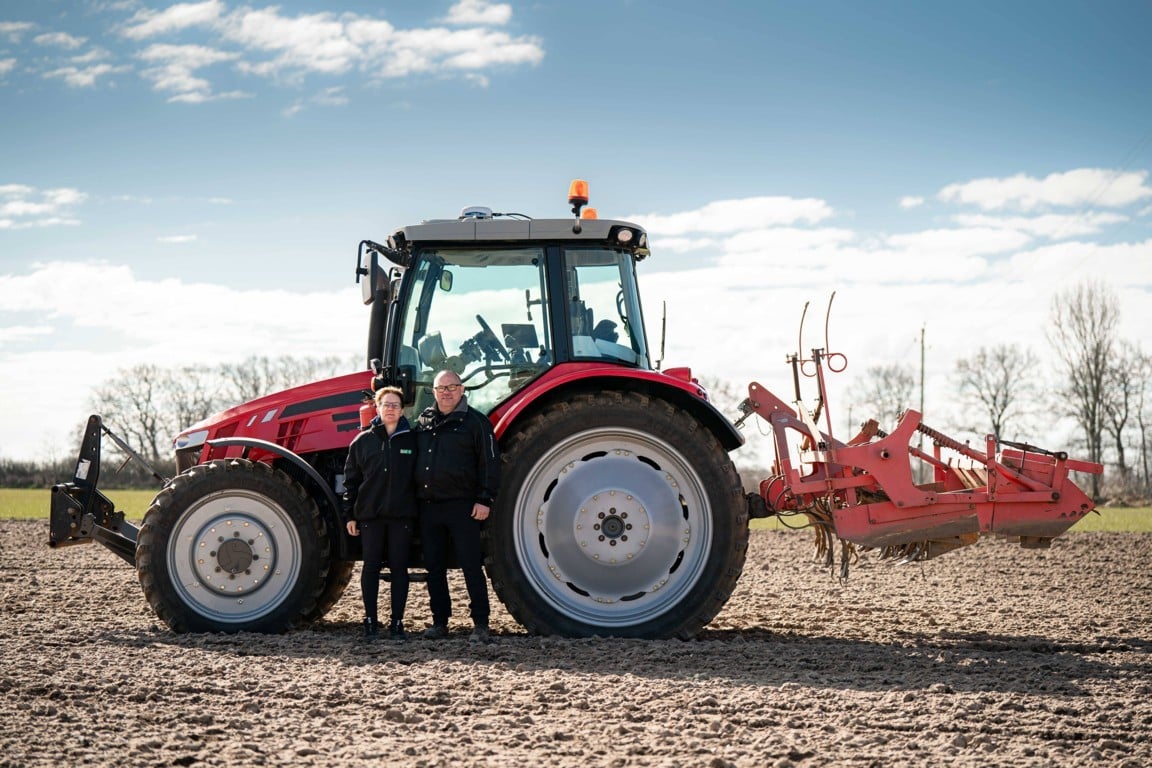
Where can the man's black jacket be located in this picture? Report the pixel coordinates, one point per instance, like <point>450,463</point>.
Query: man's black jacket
<point>459,458</point>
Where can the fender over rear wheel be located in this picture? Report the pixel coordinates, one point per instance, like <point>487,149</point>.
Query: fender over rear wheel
<point>233,545</point>
<point>619,515</point>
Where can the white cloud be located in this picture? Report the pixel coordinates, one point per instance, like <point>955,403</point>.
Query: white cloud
<point>93,54</point>
<point>17,333</point>
<point>148,23</point>
<point>682,244</point>
<point>479,12</point>
<point>184,40</point>
<point>957,243</point>
<point>430,51</point>
<point>23,207</point>
<point>177,69</point>
<point>176,239</point>
<point>55,298</point>
<point>726,216</point>
<point>85,77</point>
<point>59,40</point>
<point>14,30</point>
<point>266,43</point>
<point>1051,226</point>
<point>313,43</point>
<point>1080,187</point>
<point>911,201</point>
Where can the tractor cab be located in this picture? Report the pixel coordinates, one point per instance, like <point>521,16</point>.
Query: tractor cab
<point>500,299</point>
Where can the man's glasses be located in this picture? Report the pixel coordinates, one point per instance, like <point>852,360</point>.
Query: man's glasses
<point>447,388</point>
<point>390,406</point>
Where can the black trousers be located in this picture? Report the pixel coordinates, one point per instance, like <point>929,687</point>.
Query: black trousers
<point>376,536</point>
<point>450,523</point>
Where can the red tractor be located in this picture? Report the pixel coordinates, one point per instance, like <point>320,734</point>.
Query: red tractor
<point>620,511</point>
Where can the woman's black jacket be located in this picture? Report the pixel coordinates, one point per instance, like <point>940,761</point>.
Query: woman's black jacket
<point>379,475</point>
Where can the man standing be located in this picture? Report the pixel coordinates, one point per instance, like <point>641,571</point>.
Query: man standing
<point>457,478</point>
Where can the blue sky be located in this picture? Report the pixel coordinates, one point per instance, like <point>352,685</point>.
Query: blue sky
<point>186,183</point>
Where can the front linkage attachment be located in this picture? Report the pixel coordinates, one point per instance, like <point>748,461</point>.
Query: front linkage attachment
<point>864,493</point>
<point>80,512</point>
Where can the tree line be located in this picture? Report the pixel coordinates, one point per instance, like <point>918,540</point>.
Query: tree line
<point>148,405</point>
<point>1103,383</point>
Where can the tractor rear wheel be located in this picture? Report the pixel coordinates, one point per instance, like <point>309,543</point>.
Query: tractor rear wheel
<point>620,515</point>
<point>233,546</point>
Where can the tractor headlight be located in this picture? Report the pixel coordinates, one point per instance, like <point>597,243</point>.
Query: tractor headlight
<point>191,440</point>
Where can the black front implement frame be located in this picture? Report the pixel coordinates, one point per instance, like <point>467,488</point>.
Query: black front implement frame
<point>81,513</point>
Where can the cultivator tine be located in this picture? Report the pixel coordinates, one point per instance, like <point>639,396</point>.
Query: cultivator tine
<point>913,552</point>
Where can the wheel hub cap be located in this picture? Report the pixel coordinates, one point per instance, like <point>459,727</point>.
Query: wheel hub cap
<point>611,527</point>
<point>234,555</point>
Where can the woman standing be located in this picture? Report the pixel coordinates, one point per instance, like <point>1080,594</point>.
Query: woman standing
<point>380,506</point>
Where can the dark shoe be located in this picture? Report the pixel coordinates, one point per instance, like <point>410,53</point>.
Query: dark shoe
<point>436,632</point>
<point>480,635</point>
<point>396,632</point>
<point>371,629</point>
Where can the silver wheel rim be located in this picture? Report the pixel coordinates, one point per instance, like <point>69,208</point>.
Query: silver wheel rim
<point>234,556</point>
<point>612,527</point>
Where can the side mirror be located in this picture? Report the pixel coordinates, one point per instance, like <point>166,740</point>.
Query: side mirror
<point>446,281</point>
<point>369,275</point>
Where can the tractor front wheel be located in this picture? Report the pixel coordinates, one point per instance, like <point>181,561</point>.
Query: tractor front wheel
<point>231,546</point>
<point>621,515</point>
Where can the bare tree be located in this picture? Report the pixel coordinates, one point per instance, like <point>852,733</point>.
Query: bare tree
<point>726,395</point>
<point>260,375</point>
<point>132,401</point>
<point>1083,333</point>
<point>885,392</point>
<point>1128,376</point>
<point>999,379</point>
<point>192,394</point>
<point>1142,419</point>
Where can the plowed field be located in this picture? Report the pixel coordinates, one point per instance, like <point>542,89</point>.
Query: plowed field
<point>993,655</point>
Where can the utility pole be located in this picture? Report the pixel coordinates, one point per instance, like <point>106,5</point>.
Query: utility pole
<point>921,470</point>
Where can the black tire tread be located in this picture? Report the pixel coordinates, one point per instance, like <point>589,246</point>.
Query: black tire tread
<point>655,416</point>
<point>162,514</point>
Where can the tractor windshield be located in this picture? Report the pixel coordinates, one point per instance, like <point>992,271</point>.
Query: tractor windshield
<point>499,316</point>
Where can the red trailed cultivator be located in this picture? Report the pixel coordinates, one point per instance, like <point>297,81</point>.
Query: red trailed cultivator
<point>864,491</point>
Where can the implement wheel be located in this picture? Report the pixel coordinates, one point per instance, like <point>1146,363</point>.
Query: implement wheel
<point>233,546</point>
<point>619,515</point>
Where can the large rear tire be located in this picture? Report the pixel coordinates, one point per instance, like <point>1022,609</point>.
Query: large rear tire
<point>620,515</point>
<point>234,546</point>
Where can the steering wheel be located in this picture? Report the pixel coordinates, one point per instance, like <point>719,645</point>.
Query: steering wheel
<point>490,340</point>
